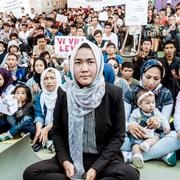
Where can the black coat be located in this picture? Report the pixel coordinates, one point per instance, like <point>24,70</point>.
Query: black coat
<point>109,127</point>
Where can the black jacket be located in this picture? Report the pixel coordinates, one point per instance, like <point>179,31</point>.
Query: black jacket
<point>109,127</point>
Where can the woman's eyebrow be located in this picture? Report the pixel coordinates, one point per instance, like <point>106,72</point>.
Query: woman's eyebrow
<point>88,59</point>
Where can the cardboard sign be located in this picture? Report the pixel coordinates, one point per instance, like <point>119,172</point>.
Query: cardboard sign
<point>8,105</point>
<point>65,44</point>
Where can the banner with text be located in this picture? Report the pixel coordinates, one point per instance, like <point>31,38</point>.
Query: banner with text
<point>65,44</point>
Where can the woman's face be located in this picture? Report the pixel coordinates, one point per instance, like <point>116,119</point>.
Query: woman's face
<point>50,81</point>
<point>85,67</point>
<point>1,80</point>
<point>21,94</point>
<point>39,66</point>
<point>151,78</point>
<point>115,66</point>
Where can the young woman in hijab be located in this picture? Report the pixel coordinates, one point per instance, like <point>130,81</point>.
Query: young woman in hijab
<point>34,82</point>
<point>152,73</point>
<point>89,125</point>
<point>44,106</point>
<point>6,88</point>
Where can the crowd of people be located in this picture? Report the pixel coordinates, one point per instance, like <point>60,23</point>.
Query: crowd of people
<point>95,108</point>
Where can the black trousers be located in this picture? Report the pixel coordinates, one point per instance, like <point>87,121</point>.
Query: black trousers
<point>52,170</point>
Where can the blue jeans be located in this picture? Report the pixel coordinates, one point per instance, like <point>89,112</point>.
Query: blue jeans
<point>167,144</point>
<point>4,126</point>
<point>18,126</point>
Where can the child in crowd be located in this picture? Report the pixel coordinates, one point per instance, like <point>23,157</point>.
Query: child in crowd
<point>23,116</point>
<point>145,111</point>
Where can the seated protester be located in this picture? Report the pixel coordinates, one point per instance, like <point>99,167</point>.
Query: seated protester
<point>33,83</point>
<point>151,76</point>
<point>54,32</point>
<point>145,111</point>
<point>3,52</point>
<point>18,73</point>
<point>80,31</point>
<point>23,58</point>
<point>23,116</point>
<point>44,107</point>
<point>111,53</point>
<point>177,115</point>
<point>73,30</point>
<point>50,60</point>
<point>6,88</point>
<point>171,59</point>
<point>79,22</point>
<point>93,26</point>
<point>99,41</point>
<point>5,32</point>
<point>127,70</point>
<point>171,32</point>
<point>144,54</point>
<point>42,46</point>
<point>108,35</point>
<point>22,46</point>
<point>120,82</point>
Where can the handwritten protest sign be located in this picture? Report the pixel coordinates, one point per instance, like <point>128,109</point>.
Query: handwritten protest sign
<point>136,12</point>
<point>61,18</point>
<point>8,105</point>
<point>65,44</point>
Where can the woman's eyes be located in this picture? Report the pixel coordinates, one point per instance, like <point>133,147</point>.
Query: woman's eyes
<point>155,78</point>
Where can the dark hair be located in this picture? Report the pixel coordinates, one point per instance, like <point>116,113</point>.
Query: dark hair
<point>97,32</point>
<point>127,64</point>
<point>84,45</point>
<point>12,54</point>
<point>108,24</point>
<point>146,39</point>
<point>170,42</point>
<point>40,36</point>
<point>27,89</point>
<point>111,44</point>
<point>40,28</point>
<point>40,59</point>
<point>43,54</point>
<point>13,35</point>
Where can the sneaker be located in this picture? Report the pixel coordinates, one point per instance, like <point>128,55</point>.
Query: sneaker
<point>127,157</point>
<point>138,161</point>
<point>144,146</point>
<point>170,159</point>
<point>5,136</point>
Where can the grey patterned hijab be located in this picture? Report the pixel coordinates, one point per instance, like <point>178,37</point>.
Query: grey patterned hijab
<point>82,101</point>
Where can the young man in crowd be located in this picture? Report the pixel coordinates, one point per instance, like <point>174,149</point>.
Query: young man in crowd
<point>144,54</point>
<point>127,70</point>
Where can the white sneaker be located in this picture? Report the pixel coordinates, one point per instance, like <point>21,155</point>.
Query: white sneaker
<point>137,160</point>
<point>127,157</point>
<point>144,146</point>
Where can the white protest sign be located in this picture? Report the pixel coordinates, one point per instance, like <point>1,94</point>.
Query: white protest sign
<point>136,12</point>
<point>61,18</point>
<point>14,6</point>
<point>65,44</point>
<point>8,105</point>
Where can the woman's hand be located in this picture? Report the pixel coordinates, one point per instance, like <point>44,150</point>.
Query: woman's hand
<point>35,88</point>
<point>166,130</point>
<point>91,174</point>
<point>38,132</point>
<point>153,122</point>
<point>69,168</point>
<point>43,138</point>
<point>137,131</point>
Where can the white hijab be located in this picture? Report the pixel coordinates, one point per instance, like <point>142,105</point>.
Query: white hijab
<point>82,101</point>
<point>49,98</point>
